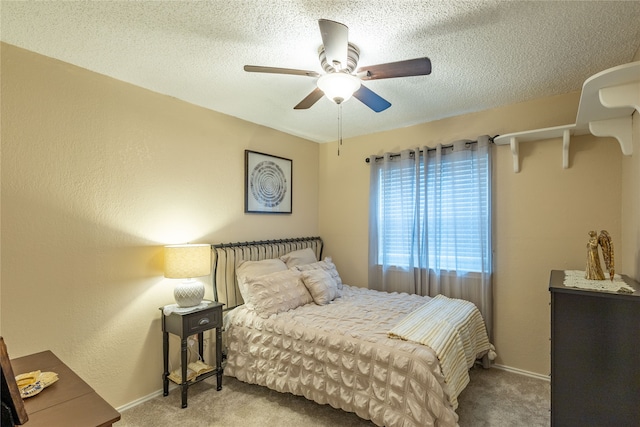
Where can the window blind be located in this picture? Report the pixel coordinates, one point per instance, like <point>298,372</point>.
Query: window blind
<point>450,203</point>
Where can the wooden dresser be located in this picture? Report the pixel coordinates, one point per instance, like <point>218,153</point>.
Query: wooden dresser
<point>595,356</point>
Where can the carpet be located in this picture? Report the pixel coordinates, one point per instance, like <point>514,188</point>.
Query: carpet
<point>494,398</point>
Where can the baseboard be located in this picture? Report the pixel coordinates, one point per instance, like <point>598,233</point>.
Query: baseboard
<point>523,372</point>
<point>144,398</point>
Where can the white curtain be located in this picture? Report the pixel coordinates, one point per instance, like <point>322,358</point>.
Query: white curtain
<point>430,222</point>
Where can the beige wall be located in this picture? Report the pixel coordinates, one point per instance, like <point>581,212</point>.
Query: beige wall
<point>630,247</point>
<point>97,175</point>
<point>541,215</point>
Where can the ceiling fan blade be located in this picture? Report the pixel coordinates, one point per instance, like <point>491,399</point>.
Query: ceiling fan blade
<point>410,67</point>
<point>371,99</point>
<point>311,99</point>
<point>335,38</point>
<point>276,70</point>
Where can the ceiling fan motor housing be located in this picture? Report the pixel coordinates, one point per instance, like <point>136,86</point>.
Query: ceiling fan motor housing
<point>353,55</point>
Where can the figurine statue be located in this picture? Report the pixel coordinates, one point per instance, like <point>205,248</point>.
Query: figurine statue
<point>594,270</point>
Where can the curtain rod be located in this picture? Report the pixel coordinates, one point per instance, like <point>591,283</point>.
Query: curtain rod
<point>368,159</point>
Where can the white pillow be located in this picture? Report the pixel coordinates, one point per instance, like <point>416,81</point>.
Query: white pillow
<point>328,265</point>
<point>277,292</point>
<point>299,257</point>
<point>321,285</point>
<point>249,269</point>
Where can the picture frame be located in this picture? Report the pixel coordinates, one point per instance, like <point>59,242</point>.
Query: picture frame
<point>268,186</point>
<point>11,399</point>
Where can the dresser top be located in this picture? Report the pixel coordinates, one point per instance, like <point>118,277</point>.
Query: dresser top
<point>556,284</point>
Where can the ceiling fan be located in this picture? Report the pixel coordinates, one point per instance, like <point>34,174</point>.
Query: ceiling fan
<point>339,58</point>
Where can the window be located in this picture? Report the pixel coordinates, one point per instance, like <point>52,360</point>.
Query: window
<point>438,219</point>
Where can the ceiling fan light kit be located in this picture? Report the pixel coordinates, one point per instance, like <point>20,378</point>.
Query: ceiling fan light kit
<point>339,59</point>
<point>338,87</point>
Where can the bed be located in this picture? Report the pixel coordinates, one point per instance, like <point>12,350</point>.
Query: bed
<point>303,331</point>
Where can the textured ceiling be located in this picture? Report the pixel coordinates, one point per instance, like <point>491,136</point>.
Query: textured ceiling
<point>484,53</point>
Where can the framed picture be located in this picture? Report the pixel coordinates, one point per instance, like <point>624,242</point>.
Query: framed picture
<point>267,183</point>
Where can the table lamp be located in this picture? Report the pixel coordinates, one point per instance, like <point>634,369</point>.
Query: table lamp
<point>187,262</point>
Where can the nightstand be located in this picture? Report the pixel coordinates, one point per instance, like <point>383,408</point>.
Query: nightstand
<point>184,323</point>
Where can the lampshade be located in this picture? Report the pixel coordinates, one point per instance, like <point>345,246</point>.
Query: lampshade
<point>186,261</point>
<point>338,87</point>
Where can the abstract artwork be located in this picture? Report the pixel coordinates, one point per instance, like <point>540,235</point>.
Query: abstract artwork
<point>267,183</point>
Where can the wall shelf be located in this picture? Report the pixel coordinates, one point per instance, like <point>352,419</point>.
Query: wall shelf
<point>607,103</point>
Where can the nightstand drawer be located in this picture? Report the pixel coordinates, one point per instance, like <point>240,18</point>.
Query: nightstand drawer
<point>204,321</point>
<point>186,323</point>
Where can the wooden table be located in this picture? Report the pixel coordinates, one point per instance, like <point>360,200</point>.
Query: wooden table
<point>67,402</point>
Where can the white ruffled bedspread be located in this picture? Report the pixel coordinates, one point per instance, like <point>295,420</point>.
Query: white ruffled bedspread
<point>340,354</point>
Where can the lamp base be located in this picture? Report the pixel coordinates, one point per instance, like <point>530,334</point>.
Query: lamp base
<point>189,293</point>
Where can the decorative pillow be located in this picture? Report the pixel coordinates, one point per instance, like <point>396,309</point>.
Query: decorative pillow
<point>249,269</point>
<point>299,257</point>
<point>277,292</point>
<point>321,285</point>
<point>328,265</point>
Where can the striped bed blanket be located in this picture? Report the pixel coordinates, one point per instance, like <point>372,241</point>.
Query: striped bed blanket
<point>454,330</point>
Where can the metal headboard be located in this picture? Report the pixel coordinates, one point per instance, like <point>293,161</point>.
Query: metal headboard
<point>226,257</point>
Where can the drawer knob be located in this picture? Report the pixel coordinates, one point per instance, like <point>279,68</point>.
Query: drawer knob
<point>203,321</point>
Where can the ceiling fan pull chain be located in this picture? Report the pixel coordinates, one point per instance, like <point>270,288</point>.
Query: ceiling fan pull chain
<point>339,127</point>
